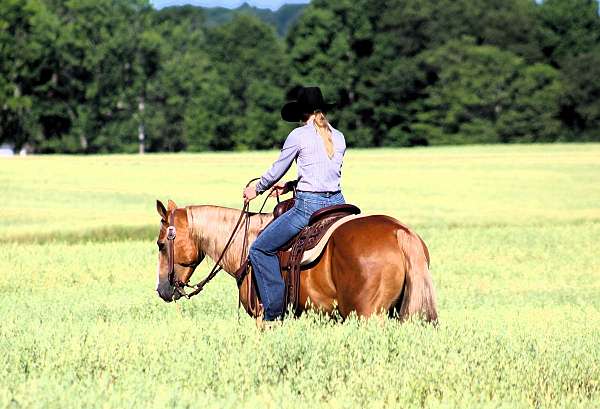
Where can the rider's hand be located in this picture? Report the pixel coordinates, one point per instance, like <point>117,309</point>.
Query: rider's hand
<point>279,189</point>
<point>249,193</point>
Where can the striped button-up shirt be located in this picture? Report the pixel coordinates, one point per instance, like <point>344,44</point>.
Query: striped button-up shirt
<point>316,172</point>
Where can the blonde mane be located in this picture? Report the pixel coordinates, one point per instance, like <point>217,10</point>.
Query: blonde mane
<point>211,226</point>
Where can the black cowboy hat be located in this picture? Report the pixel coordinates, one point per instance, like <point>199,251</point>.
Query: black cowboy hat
<point>307,101</point>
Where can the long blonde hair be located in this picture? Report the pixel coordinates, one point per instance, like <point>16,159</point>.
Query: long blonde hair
<point>322,126</point>
<point>320,118</point>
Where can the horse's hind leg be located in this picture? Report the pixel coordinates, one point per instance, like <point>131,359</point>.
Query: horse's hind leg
<point>394,311</point>
<point>369,305</point>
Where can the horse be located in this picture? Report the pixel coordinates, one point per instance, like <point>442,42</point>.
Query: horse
<point>371,265</point>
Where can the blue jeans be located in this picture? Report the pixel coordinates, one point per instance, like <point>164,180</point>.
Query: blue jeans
<point>263,252</point>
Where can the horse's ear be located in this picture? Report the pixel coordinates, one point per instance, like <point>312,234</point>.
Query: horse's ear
<point>171,205</point>
<point>160,208</point>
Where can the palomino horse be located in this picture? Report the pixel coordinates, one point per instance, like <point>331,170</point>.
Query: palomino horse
<point>370,265</point>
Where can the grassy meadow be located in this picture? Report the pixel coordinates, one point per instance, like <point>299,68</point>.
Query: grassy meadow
<point>513,232</point>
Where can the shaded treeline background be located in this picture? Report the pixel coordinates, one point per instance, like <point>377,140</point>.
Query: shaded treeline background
<point>83,75</point>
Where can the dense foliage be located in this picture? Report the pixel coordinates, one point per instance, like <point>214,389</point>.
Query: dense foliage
<point>94,75</point>
<point>282,18</point>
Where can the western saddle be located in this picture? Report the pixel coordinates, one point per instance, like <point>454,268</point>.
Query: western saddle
<point>290,255</point>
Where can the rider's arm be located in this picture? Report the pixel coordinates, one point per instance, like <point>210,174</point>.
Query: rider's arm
<point>282,164</point>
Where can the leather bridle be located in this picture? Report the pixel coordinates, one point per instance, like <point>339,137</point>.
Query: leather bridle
<point>172,233</point>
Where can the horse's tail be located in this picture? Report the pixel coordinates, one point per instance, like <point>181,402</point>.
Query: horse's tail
<point>418,294</point>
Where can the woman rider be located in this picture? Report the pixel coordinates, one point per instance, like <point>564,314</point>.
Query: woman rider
<point>319,150</point>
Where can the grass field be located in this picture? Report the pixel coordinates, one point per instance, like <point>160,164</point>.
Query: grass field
<point>513,232</point>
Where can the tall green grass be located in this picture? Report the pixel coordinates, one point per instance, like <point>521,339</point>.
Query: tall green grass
<point>513,234</point>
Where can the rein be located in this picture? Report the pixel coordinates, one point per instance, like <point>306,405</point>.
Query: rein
<point>172,233</point>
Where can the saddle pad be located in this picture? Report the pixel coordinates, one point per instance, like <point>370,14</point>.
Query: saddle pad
<point>314,253</point>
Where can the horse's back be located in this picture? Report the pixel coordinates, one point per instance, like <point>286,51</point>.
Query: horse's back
<point>371,239</point>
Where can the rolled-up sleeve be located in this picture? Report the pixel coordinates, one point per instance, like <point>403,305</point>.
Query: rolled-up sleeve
<point>289,152</point>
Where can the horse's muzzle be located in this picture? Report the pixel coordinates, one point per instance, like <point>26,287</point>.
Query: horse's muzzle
<point>167,292</point>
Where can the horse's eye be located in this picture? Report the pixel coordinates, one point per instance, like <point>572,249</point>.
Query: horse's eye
<point>160,245</point>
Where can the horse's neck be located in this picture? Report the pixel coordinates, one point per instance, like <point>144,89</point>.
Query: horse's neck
<point>211,228</point>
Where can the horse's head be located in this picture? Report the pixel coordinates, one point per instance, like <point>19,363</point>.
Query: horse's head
<point>185,252</point>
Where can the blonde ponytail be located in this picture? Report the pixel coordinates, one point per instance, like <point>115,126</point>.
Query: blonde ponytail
<point>321,125</point>
<point>319,118</point>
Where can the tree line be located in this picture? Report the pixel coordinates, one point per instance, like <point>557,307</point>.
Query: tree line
<point>89,76</point>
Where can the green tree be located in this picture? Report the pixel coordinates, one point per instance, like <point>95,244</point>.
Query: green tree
<point>571,44</point>
<point>572,27</point>
<point>482,94</point>
<point>209,122</point>
<point>239,109</point>
<point>531,113</point>
<point>178,34</point>
<point>27,31</point>
<point>580,102</point>
<point>13,104</point>
<point>87,75</point>
<point>101,63</point>
<point>330,46</point>
<point>75,69</point>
